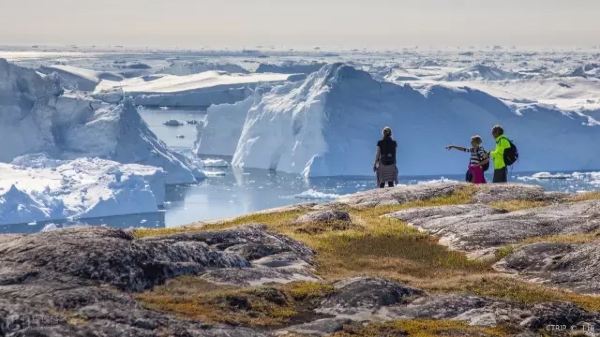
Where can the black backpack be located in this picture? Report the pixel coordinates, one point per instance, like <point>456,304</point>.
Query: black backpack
<point>511,155</point>
<point>485,166</point>
<point>388,151</point>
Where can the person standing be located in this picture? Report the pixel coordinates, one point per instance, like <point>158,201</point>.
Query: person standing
<point>498,155</point>
<point>479,161</point>
<point>385,160</point>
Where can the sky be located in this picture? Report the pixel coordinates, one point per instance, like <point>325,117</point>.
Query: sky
<point>380,24</point>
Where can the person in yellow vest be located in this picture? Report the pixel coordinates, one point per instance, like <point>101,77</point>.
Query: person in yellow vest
<point>497,155</point>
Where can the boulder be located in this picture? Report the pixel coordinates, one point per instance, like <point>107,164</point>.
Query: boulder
<point>363,295</point>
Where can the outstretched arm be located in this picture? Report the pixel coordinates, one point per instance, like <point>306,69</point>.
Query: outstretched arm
<point>460,148</point>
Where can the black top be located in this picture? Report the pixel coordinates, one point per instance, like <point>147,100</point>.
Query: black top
<point>387,150</point>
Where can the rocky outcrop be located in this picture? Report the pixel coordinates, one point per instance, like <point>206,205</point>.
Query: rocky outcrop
<point>494,192</point>
<point>373,299</point>
<point>78,281</point>
<point>326,215</point>
<point>411,193</point>
<point>574,266</point>
<point>111,256</point>
<point>477,226</point>
<point>399,195</point>
<point>363,295</point>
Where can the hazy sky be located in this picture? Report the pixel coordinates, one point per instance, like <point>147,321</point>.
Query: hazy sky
<point>301,23</point>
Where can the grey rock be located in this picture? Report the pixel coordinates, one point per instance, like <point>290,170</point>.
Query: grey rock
<point>360,295</point>
<point>475,227</point>
<point>494,192</point>
<point>326,215</point>
<point>561,314</point>
<point>573,266</point>
<point>258,276</point>
<point>320,327</point>
<point>114,257</point>
<point>399,195</point>
<point>241,239</point>
<point>87,275</point>
<point>281,260</point>
<point>439,307</point>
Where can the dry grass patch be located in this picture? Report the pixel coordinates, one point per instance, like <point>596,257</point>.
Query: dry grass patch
<point>420,328</point>
<point>275,220</point>
<point>577,238</point>
<point>585,196</point>
<point>511,289</point>
<point>517,205</point>
<point>386,247</point>
<point>267,306</point>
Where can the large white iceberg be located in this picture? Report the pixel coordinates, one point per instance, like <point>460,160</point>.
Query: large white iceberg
<point>329,124</point>
<point>36,116</point>
<point>198,90</point>
<point>220,133</point>
<point>36,188</point>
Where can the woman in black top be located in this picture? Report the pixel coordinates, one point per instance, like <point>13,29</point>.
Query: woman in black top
<point>385,160</point>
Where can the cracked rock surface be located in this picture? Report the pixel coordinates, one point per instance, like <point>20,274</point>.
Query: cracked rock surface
<point>79,281</point>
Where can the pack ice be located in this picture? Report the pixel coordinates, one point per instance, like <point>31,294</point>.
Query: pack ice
<point>329,124</point>
<point>36,188</point>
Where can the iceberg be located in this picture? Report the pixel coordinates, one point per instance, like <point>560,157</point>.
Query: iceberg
<point>75,78</point>
<point>482,72</point>
<point>328,125</point>
<point>290,67</point>
<point>178,67</point>
<point>587,70</point>
<point>37,188</point>
<point>196,90</point>
<point>37,116</point>
<point>220,133</point>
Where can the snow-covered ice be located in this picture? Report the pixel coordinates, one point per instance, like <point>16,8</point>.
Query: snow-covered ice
<point>312,194</point>
<point>36,188</point>
<point>181,68</point>
<point>591,177</point>
<point>76,78</point>
<point>290,67</point>
<point>203,89</point>
<point>215,162</point>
